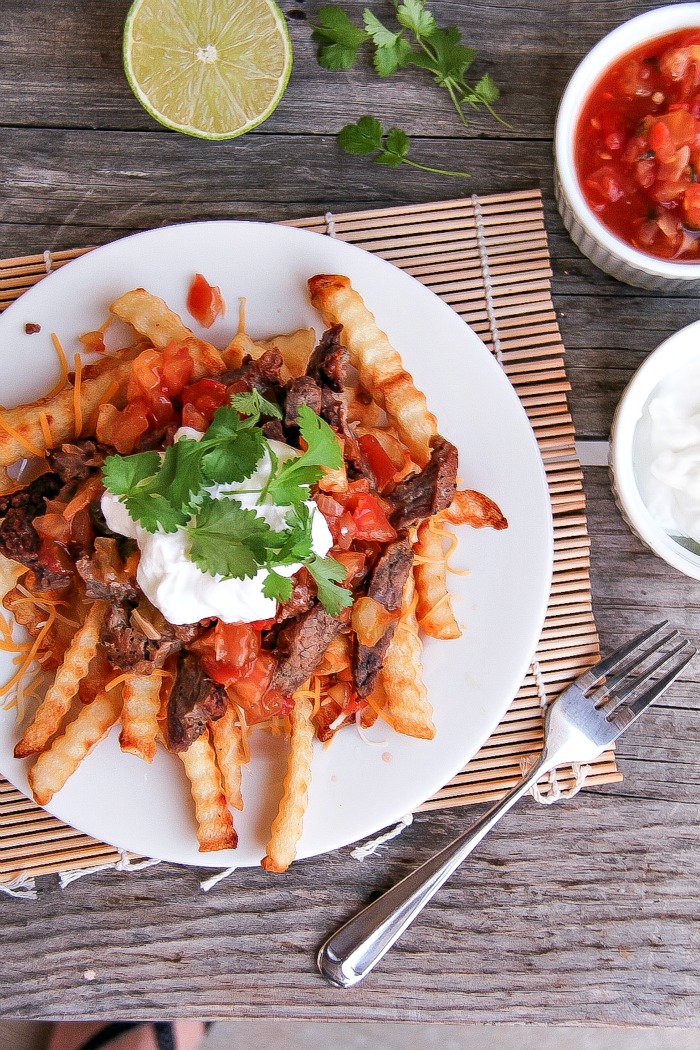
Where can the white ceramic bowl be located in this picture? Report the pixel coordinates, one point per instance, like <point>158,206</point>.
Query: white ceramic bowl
<point>601,246</point>
<point>632,453</point>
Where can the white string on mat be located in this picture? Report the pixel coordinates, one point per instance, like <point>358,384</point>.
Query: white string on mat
<point>486,273</point>
<point>48,261</point>
<point>123,864</point>
<point>368,848</point>
<point>209,884</point>
<point>23,887</point>
<point>330,224</point>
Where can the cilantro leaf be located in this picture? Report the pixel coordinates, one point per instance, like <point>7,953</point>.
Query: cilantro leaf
<point>153,510</point>
<point>484,91</point>
<point>449,60</point>
<point>392,49</point>
<point>121,474</point>
<point>253,405</point>
<point>327,574</point>
<point>278,587</point>
<point>180,478</point>
<point>368,136</point>
<point>338,38</point>
<point>413,15</point>
<point>361,138</point>
<point>227,540</point>
<point>234,460</point>
<point>289,486</point>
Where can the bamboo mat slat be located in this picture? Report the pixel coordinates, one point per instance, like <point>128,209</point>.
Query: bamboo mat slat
<point>488,258</point>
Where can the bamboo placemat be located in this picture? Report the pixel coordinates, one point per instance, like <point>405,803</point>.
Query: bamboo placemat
<point>487,257</point>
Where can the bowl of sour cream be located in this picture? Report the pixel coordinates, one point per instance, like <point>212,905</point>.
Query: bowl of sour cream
<point>655,451</point>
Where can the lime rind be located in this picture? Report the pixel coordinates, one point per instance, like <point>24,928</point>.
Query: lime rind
<point>242,101</point>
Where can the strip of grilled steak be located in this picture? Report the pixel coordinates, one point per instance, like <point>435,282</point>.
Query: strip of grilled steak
<point>301,391</point>
<point>19,539</point>
<point>77,460</point>
<point>262,374</point>
<point>128,648</point>
<point>329,365</point>
<point>386,587</point>
<point>302,644</point>
<point>194,701</point>
<point>421,495</point>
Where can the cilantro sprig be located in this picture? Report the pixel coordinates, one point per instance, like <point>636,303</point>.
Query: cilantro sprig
<point>169,492</point>
<point>418,41</point>
<point>391,148</point>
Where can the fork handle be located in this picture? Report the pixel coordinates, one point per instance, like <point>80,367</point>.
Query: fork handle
<point>355,948</point>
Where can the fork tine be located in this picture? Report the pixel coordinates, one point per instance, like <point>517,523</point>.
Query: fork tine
<point>626,713</point>
<point>617,695</point>
<point>615,660</point>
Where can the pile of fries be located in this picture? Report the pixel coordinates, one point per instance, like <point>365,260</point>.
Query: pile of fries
<point>87,696</point>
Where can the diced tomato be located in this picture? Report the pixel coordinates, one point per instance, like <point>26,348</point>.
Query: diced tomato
<point>127,426</point>
<point>204,301</point>
<point>254,696</point>
<point>228,653</point>
<point>378,461</point>
<point>691,206</point>
<point>371,522</point>
<point>200,401</point>
<point>177,368</point>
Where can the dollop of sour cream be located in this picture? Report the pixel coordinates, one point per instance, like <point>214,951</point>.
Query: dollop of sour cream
<point>174,584</point>
<point>674,485</point>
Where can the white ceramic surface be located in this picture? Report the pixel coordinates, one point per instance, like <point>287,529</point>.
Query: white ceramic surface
<point>602,247</point>
<point>357,787</point>
<point>631,450</point>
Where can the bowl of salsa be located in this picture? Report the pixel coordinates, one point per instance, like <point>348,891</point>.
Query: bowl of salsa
<point>627,151</point>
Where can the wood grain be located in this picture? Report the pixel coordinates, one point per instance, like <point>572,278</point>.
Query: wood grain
<point>583,913</point>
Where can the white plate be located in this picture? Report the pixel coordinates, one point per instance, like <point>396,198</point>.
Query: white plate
<point>357,787</point>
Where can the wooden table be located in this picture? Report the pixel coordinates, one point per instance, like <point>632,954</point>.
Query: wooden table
<point>581,913</point>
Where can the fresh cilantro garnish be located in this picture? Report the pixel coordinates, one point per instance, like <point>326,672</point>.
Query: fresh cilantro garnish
<point>141,484</point>
<point>327,574</point>
<point>289,485</point>
<point>390,148</point>
<point>277,587</point>
<point>338,38</point>
<point>228,540</point>
<point>253,405</point>
<point>417,41</point>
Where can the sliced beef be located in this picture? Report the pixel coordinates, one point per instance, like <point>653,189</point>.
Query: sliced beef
<point>105,574</point>
<point>263,374</point>
<point>328,365</point>
<point>302,643</point>
<point>330,360</point>
<point>273,430</point>
<point>78,460</point>
<point>301,391</point>
<point>421,495</point>
<point>19,539</point>
<point>128,648</point>
<point>300,600</point>
<point>194,701</point>
<point>386,587</point>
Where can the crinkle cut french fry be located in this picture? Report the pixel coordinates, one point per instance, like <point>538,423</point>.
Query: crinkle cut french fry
<point>151,317</point>
<point>55,705</point>
<point>53,766</point>
<point>140,711</point>
<point>214,821</point>
<point>289,822</point>
<point>469,507</point>
<point>434,609</point>
<point>25,421</point>
<point>378,363</point>
<point>401,677</point>
<point>226,734</point>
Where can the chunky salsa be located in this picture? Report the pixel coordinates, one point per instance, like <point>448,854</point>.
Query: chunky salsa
<point>637,147</point>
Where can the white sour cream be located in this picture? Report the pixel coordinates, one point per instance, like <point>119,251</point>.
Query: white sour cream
<point>674,486</point>
<point>174,584</point>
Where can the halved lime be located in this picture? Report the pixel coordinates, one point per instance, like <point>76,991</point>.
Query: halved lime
<point>210,68</point>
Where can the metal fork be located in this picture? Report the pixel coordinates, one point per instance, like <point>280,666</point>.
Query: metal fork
<point>581,723</point>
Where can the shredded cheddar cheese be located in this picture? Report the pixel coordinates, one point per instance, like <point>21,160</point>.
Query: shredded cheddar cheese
<point>46,429</point>
<point>64,366</point>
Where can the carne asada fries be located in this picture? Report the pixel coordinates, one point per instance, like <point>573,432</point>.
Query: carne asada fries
<point>218,541</point>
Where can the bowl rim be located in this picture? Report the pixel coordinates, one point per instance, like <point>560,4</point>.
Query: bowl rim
<point>617,42</point>
<point>678,350</point>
